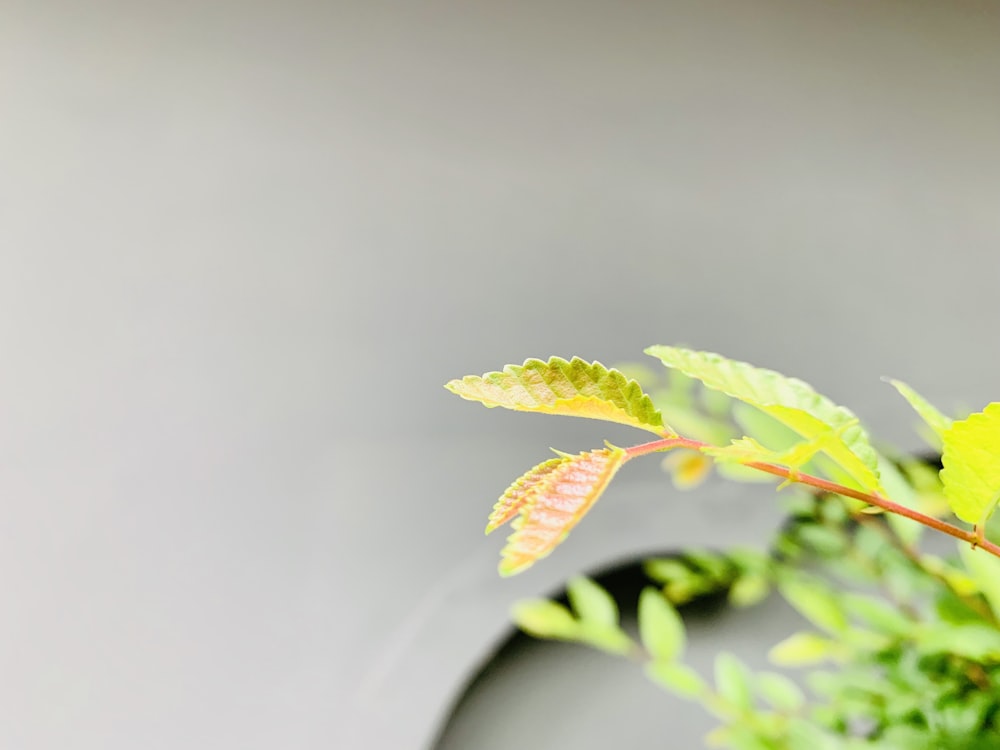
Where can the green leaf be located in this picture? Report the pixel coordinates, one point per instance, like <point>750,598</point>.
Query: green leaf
<point>974,640</point>
<point>608,638</point>
<point>937,421</point>
<point>803,649</point>
<point>792,402</point>
<point>679,679</point>
<point>545,619</point>
<point>878,614</point>
<point>575,388</point>
<point>591,602</point>
<point>660,627</point>
<point>732,681</point>
<point>749,589</point>
<point>814,601</point>
<point>561,498</point>
<point>971,460</point>
<point>985,571</point>
<point>780,691</point>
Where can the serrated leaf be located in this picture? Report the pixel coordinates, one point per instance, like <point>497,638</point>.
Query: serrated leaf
<point>679,679</point>
<point>576,388</point>
<point>937,421</point>
<point>789,400</point>
<point>591,602</point>
<point>557,504</point>
<point>519,493</point>
<point>545,619</point>
<point>971,460</point>
<point>660,627</point>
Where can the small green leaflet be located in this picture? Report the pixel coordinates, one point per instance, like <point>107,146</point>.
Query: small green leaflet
<point>660,627</point>
<point>930,414</point>
<point>576,388</point>
<point>790,401</point>
<point>971,460</point>
<point>556,503</point>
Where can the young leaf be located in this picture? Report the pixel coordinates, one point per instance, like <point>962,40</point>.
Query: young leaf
<point>803,649</point>
<point>815,602</point>
<point>557,504</point>
<point>575,388</point>
<point>660,627</point>
<point>519,493</point>
<point>608,638</point>
<point>792,402</point>
<point>591,602</point>
<point>545,619</point>
<point>780,691</point>
<point>930,414</point>
<point>971,460</point>
<point>679,679</point>
<point>732,681</point>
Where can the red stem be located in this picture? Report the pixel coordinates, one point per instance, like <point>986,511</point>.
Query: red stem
<point>972,537</point>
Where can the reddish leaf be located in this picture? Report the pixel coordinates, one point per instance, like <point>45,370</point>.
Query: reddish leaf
<point>556,504</point>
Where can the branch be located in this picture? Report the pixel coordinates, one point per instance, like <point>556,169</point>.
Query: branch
<point>975,537</point>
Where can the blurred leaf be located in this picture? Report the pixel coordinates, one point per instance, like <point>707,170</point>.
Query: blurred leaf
<point>712,564</point>
<point>660,627</point>
<point>822,539</point>
<point>815,601</point>
<point>545,619</point>
<point>678,678</point>
<point>732,681</point>
<point>971,459</point>
<point>973,640</point>
<point>878,614</point>
<point>985,571</point>
<point>687,468</point>
<point>608,638</point>
<point>804,649</point>
<point>780,691</point>
<point>665,569</point>
<point>591,602</point>
<point>899,489</point>
<point>749,590</point>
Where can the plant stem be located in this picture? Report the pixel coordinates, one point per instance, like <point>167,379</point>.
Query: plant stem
<point>872,498</point>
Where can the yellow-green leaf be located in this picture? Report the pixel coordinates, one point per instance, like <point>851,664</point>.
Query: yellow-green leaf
<point>556,504</point>
<point>937,421</point>
<point>971,460</point>
<point>985,571</point>
<point>789,400</point>
<point>576,388</point>
<point>660,627</point>
<point>545,619</point>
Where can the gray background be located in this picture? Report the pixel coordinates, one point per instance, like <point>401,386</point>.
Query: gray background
<point>243,246</point>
